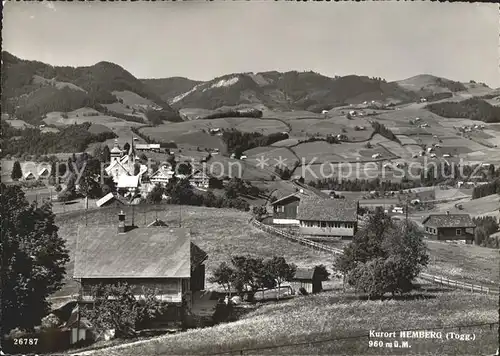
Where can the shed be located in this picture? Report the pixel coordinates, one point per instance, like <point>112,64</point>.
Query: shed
<point>307,278</point>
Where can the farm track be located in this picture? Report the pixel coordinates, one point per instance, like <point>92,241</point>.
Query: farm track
<point>440,280</point>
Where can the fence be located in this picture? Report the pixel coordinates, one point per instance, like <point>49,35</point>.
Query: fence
<point>425,276</point>
<point>295,238</point>
<point>458,285</point>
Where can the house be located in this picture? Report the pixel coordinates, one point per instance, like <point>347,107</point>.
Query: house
<point>44,173</point>
<point>128,184</point>
<point>328,217</point>
<point>124,164</point>
<point>29,176</point>
<point>307,278</point>
<point>162,176</point>
<point>156,257</point>
<point>285,208</point>
<point>447,226</point>
<point>199,179</point>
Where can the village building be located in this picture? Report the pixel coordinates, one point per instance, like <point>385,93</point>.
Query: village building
<point>164,259</point>
<point>126,170</point>
<point>307,278</point>
<point>162,176</point>
<point>328,217</point>
<point>199,179</point>
<point>449,227</point>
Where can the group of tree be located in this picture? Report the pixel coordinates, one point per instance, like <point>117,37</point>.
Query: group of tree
<point>180,191</point>
<point>116,308</point>
<point>73,138</point>
<point>360,185</point>
<point>489,188</point>
<point>384,257</point>
<point>485,227</point>
<point>473,108</point>
<point>157,117</point>
<point>219,114</point>
<point>239,187</point>
<point>238,142</point>
<point>33,259</point>
<point>247,274</point>
<point>382,130</point>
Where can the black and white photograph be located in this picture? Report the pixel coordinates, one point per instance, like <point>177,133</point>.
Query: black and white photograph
<point>250,178</point>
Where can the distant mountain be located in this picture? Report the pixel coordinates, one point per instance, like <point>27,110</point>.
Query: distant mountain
<point>168,88</point>
<point>430,83</point>
<point>30,89</point>
<point>290,90</point>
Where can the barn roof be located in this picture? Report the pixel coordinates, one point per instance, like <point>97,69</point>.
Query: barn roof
<point>150,252</point>
<point>449,220</point>
<point>304,274</point>
<point>327,210</point>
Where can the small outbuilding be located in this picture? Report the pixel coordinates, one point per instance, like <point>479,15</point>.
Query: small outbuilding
<point>307,278</point>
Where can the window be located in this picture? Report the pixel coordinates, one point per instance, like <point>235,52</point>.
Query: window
<point>459,231</point>
<point>323,224</point>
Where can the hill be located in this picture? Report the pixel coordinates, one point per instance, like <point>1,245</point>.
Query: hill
<point>337,323</point>
<point>473,108</point>
<point>31,89</point>
<point>431,83</point>
<point>168,88</point>
<point>290,90</point>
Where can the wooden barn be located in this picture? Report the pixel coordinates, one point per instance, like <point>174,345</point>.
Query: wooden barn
<point>307,278</point>
<point>445,227</point>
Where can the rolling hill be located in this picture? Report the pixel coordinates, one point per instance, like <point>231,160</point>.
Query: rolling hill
<point>290,90</point>
<point>31,89</point>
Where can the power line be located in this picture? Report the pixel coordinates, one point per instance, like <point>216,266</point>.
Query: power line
<point>365,335</point>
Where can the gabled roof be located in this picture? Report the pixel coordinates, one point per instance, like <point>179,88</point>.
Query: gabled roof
<point>304,274</point>
<point>157,222</point>
<point>150,252</point>
<point>328,210</point>
<point>449,220</point>
<point>293,196</point>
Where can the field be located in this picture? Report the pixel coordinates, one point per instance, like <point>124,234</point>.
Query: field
<point>221,166</point>
<point>222,233</point>
<point>466,263</point>
<point>343,319</point>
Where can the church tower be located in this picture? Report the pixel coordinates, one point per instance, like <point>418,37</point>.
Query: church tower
<point>116,152</point>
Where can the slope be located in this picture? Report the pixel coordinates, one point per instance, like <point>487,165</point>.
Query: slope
<point>168,88</point>
<point>31,89</point>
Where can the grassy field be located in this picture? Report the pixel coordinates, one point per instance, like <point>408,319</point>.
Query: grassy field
<point>466,263</point>
<point>222,233</point>
<point>335,315</point>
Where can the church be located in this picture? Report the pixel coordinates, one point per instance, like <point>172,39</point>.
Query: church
<point>125,169</point>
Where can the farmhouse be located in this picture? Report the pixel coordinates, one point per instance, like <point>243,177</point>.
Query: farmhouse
<point>156,257</point>
<point>199,179</point>
<point>328,217</point>
<point>285,208</point>
<point>162,175</point>
<point>155,147</point>
<point>307,278</point>
<point>446,227</point>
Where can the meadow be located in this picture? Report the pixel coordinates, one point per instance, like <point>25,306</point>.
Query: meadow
<point>221,233</point>
<point>346,321</point>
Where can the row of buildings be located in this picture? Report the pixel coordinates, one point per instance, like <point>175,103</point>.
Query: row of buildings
<point>322,217</point>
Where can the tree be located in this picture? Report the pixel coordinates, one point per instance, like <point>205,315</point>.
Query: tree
<point>383,257</point>
<point>89,179</point>
<point>223,275</point>
<point>106,154</point>
<point>250,274</point>
<point>33,259</point>
<point>215,183</point>
<point>115,307</point>
<point>322,272</point>
<point>185,168</point>
<point>156,194</point>
<point>16,171</point>
<point>280,271</point>
<point>126,147</point>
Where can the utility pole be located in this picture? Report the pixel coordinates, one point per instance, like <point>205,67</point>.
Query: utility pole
<point>86,208</point>
<point>180,215</point>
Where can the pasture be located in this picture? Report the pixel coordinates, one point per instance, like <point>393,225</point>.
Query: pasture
<point>222,166</point>
<point>274,155</point>
<point>221,233</point>
<point>345,320</point>
<point>465,263</point>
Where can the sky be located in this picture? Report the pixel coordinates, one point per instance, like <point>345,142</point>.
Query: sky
<point>203,40</point>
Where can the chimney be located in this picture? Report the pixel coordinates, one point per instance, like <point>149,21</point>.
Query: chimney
<point>447,212</point>
<point>121,222</point>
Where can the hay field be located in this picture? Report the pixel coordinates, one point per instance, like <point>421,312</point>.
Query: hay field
<point>286,143</point>
<point>273,154</point>
<point>18,124</point>
<point>131,98</point>
<point>222,166</point>
<point>222,233</point>
<point>335,315</point>
<point>318,151</point>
